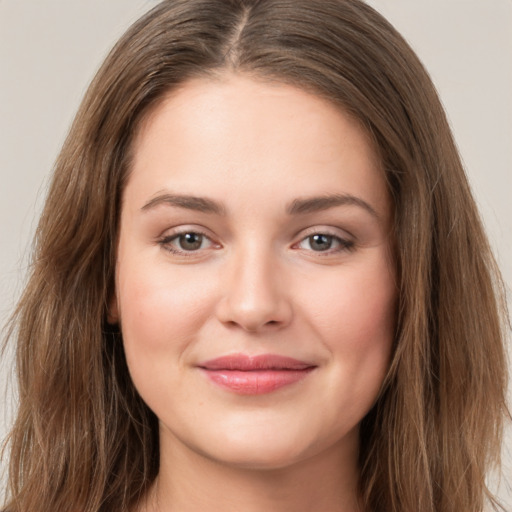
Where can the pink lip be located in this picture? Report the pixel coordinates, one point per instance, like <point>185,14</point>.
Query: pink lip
<point>255,375</point>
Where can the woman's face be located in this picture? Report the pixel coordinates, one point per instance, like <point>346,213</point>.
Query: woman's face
<point>255,285</point>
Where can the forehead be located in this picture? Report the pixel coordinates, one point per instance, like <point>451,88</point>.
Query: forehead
<point>221,94</point>
<point>245,132</point>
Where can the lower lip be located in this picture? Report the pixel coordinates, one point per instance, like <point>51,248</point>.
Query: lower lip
<point>256,382</point>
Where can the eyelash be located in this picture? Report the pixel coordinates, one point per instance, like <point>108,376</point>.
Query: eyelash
<point>344,245</point>
<point>166,242</point>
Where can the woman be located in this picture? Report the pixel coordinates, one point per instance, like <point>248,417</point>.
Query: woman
<point>256,279</point>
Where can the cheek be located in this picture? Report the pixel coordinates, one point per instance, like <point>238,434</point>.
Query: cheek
<point>355,317</point>
<point>159,309</point>
<point>161,314</point>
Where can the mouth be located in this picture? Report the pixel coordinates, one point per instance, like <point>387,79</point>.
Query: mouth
<point>255,375</point>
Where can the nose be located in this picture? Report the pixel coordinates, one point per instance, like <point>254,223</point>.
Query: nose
<point>254,297</point>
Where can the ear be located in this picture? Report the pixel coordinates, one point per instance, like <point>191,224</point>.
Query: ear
<point>113,310</point>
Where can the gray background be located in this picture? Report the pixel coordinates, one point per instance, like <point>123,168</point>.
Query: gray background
<point>50,49</point>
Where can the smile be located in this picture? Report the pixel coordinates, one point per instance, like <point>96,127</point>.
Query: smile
<point>255,375</point>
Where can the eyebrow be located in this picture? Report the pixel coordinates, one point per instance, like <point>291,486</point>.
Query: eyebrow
<point>296,207</point>
<point>200,204</point>
<point>316,204</point>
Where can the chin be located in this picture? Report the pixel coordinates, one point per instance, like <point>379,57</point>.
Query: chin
<point>262,449</point>
<point>257,457</point>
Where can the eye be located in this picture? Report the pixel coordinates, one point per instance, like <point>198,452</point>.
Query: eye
<point>325,242</point>
<point>190,241</point>
<point>186,242</point>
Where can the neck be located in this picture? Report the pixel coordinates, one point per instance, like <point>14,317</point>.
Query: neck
<point>325,481</point>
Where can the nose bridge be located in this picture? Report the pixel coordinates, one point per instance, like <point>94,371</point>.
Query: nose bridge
<point>255,279</point>
<point>254,294</point>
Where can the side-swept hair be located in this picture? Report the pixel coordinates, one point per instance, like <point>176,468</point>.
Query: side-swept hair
<point>83,440</point>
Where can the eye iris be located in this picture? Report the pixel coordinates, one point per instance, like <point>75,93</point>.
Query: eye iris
<point>190,241</point>
<point>320,242</point>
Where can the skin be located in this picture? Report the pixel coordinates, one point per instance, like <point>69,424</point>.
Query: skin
<point>257,283</point>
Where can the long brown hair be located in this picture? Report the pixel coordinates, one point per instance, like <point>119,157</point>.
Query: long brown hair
<point>84,441</point>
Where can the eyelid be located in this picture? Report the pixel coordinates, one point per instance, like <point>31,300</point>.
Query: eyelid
<point>171,234</point>
<point>345,239</point>
<point>325,230</point>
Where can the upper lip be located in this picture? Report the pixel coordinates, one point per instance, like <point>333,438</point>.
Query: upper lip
<point>244,362</point>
